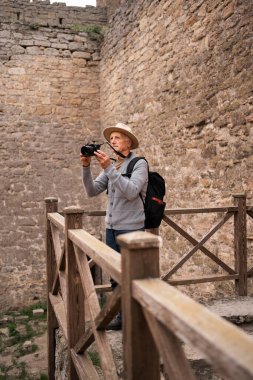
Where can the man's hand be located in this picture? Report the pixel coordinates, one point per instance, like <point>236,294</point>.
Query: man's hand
<point>85,161</point>
<point>103,159</point>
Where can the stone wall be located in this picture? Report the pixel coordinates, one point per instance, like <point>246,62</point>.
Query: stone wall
<point>43,13</point>
<point>180,73</point>
<point>49,107</point>
<point>111,5</point>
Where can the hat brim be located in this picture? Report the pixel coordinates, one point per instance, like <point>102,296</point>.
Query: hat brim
<point>107,133</point>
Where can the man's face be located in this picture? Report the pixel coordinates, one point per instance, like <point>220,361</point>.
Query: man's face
<point>120,142</point>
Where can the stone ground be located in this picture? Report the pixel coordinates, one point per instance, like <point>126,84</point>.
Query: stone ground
<point>23,342</point>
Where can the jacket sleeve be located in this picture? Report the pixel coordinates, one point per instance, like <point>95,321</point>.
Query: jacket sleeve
<point>94,187</point>
<point>130,187</point>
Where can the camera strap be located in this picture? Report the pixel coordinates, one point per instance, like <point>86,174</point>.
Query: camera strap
<point>118,153</point>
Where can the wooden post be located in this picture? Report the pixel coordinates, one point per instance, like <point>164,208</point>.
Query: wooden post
<point>75,294</point>
<point>240,244</point>
<point>140,259</point>
<point>51,206</point>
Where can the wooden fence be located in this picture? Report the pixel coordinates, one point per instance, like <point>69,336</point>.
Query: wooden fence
<point>240,273</point>
<point>156,316</point>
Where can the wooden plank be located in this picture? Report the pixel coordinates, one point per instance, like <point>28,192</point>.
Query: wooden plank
<point>84,366</point>
<point>182,232</point>
<point>63,282</point>
<point>60,285</point>
<point>200,280</point>
<point>226,347</point>
<point>85,340</point>
<point>140,258</point>
<point>185,211</point>
<point>75,294</point>
<point>87,282</point>
<point>51,205</point>
<point>59,310</point>
<point>56,284</point>
<point>170,348</point>
<point>60,277</point>
<point>240,244</point>
<point>197,246</point>
<point>179,211</point>
<point>103,255</point>
<point>103,288</point>
<point>102,342</point>
<point>57,243</point>
<point>91,263</point>
<point>57,220</point>
<point>110,309</point>
<point>62,264</point>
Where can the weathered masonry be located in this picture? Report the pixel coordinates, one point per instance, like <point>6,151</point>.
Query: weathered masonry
<point>179,72</point>
<point>49,105</point>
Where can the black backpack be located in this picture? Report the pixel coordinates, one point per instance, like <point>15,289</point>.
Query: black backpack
<point>154,205</point>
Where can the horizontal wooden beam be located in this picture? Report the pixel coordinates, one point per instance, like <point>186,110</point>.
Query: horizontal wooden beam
<point>57,220</point>
<point>103,288</point>
<point>104,256</point>
<point>226,347</point>
<point>183,211</point>
<point>199,280</point>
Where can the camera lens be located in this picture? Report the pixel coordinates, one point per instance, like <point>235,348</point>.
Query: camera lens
<point>89,149</point>
<point>86,150</point>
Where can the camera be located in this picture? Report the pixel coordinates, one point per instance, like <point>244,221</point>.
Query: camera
<point>89,149</point>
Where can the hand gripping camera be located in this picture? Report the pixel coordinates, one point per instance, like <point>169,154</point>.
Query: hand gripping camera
<point>88,150</point>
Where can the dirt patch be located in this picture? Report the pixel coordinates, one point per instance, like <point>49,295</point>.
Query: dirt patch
<point>23,345</point>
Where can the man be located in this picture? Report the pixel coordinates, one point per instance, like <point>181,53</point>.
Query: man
<point>125,211</point>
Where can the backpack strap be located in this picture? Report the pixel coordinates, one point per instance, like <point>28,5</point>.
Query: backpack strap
<point>130,166</point>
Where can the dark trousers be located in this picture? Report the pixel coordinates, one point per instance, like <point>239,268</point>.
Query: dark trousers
<point>110,237</point>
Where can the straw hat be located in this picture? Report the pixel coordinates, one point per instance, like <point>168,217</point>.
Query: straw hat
<point>122,128</point>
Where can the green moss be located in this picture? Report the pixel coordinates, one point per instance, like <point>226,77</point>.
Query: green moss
<point>95,32</point>
<point>34,26</point>
<point>94,358</point>
<point>29,310</point>
<point>21,373</point>
<point>20,351</point>
<point>20,330</point>
<point>43,377</point>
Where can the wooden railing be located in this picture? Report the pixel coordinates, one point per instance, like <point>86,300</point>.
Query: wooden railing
<point>239,273</point>
<point>156,316</point>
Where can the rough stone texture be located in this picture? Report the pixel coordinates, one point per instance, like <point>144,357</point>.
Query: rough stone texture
<point>41,12</point>
<point>180,73</point>
<point>49,107</point>
<point>111,5</point>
